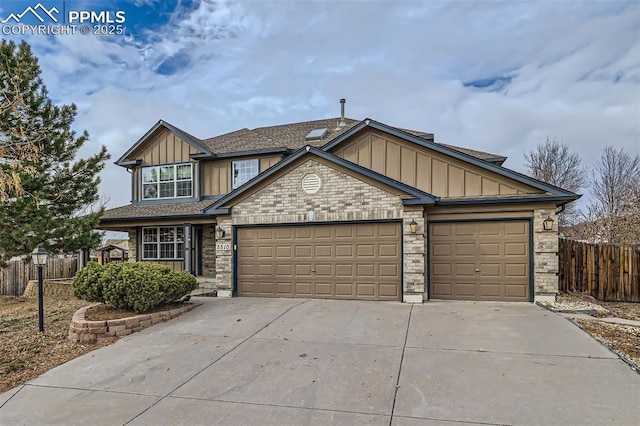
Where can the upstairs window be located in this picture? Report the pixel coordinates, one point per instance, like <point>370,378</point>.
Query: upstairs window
<point>243,171</point>
<point>172,181</point>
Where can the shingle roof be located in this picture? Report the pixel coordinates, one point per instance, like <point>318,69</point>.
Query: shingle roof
<point>137,211</point>
<point>292,136</point>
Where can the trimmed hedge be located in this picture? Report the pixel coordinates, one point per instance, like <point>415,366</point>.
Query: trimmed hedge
<point>133,286</point>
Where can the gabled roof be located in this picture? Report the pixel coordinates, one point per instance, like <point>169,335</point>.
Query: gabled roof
<point>418,197</point>
<point>452,152</point>
<point>282,138</point>
<point>190,139</point>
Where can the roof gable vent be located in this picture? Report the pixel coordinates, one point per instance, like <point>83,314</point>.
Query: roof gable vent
<point>311,183</point>
<point>316,134</point>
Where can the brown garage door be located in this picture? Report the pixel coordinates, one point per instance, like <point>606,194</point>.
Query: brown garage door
<point>480,260</point>
<point>349,261</point>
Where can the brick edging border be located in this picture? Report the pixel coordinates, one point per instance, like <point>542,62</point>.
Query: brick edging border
<point>84,331</point>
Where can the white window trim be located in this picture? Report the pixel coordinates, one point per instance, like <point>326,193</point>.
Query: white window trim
<point>157,243</point>
<point>233,185</point>
<point>175,181</point>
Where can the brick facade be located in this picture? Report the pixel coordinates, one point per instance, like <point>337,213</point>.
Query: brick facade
<point>545,254</point>
<point>341,197</point>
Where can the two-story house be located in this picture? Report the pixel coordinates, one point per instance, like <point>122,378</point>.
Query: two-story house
<point>339,208</point>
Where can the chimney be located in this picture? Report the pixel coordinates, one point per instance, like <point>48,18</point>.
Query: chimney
<point>342,121</point>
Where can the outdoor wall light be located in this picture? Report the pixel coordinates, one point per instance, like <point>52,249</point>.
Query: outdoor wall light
<point>414,226</point>
<point>547,224</point>
<point>39,258</point>
<point>219,232</point>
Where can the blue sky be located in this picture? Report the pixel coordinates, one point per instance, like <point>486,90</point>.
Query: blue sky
<point>489,75</point>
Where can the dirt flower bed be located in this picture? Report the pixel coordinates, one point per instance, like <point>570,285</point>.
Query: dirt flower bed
<point>24,352</point>
<point>105,312</point>
<point>624,339</point>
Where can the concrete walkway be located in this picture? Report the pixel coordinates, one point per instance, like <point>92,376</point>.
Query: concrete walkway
<point>290,361</point>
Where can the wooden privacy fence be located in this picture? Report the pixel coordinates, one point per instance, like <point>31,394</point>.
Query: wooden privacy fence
<point>605,271</point>
<point>14,278</point>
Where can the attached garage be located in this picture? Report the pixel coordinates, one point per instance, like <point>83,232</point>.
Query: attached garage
<point>331,261</point>
<point>480,260</point>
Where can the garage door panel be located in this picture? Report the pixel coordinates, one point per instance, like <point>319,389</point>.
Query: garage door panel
<point>283,269</point>
<point>323,233</point>
<point>365,250</point>
<point>366,290</point>
<point>265,252</point>
<point>283,252</point>
<point>490,290</point>
<point>304,251</point>
<point>324,270</point>
<point>516,228</point>
<point>284,287</point>
<point>390,270</point>
<point>389,290</point>
<point>344,250</point>
<point>366,270</point>
<point>465,249</point>
<point>466,289</point>
<point>265,287</point>
<point>490,270</point>
<point>388,250</point>
<point>343,270</point>
<point>303,233</point>
<point>489,260</point>
<point>264,234</point>
<point>489,249</point>
<point>324,289</point>
<point>515,291</point>
<point>302,270</point>
<point>516,270</point>
<point>348,261</point>
<point>323,251</point>
<point>389,230</point>
<point>465,270</point>
<point>345,289</point>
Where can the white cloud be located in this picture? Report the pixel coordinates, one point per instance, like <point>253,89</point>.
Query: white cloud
<point>260,63</point>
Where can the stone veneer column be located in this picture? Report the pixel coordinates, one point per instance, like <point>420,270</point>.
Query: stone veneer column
<point>414,256</point>
<point>545,256</point>
<point>133,245</point>
<point>224,259</point>
<point>208,252</point>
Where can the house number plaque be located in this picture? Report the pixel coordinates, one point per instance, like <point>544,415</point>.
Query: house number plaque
<point>223,246</point>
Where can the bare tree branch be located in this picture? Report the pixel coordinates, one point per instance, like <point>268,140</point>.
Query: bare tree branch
<point>552,162</point>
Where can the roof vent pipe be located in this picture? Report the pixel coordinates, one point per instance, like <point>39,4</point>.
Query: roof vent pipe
<point>342,121</point>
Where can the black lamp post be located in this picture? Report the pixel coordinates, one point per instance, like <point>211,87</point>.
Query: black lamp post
<point>39,257</point>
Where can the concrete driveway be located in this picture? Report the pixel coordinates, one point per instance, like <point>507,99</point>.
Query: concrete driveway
<point>291,361</point>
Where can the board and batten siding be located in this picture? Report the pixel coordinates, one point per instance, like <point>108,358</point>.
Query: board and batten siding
<point>427,170</point>
<point>216,175</point>
<point>164,148</point>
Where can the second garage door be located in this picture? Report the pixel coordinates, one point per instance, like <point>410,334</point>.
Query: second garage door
<point>480,260</point>
<point>346,261</point>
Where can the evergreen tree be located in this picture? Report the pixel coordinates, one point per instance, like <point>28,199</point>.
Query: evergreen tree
<point>55,189</point>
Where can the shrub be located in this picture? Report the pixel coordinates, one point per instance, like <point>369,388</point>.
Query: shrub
<point>87,283</point>
<point>142,286</point>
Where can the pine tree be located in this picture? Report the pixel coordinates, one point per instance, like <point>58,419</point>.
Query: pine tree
<point>55,189</point>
